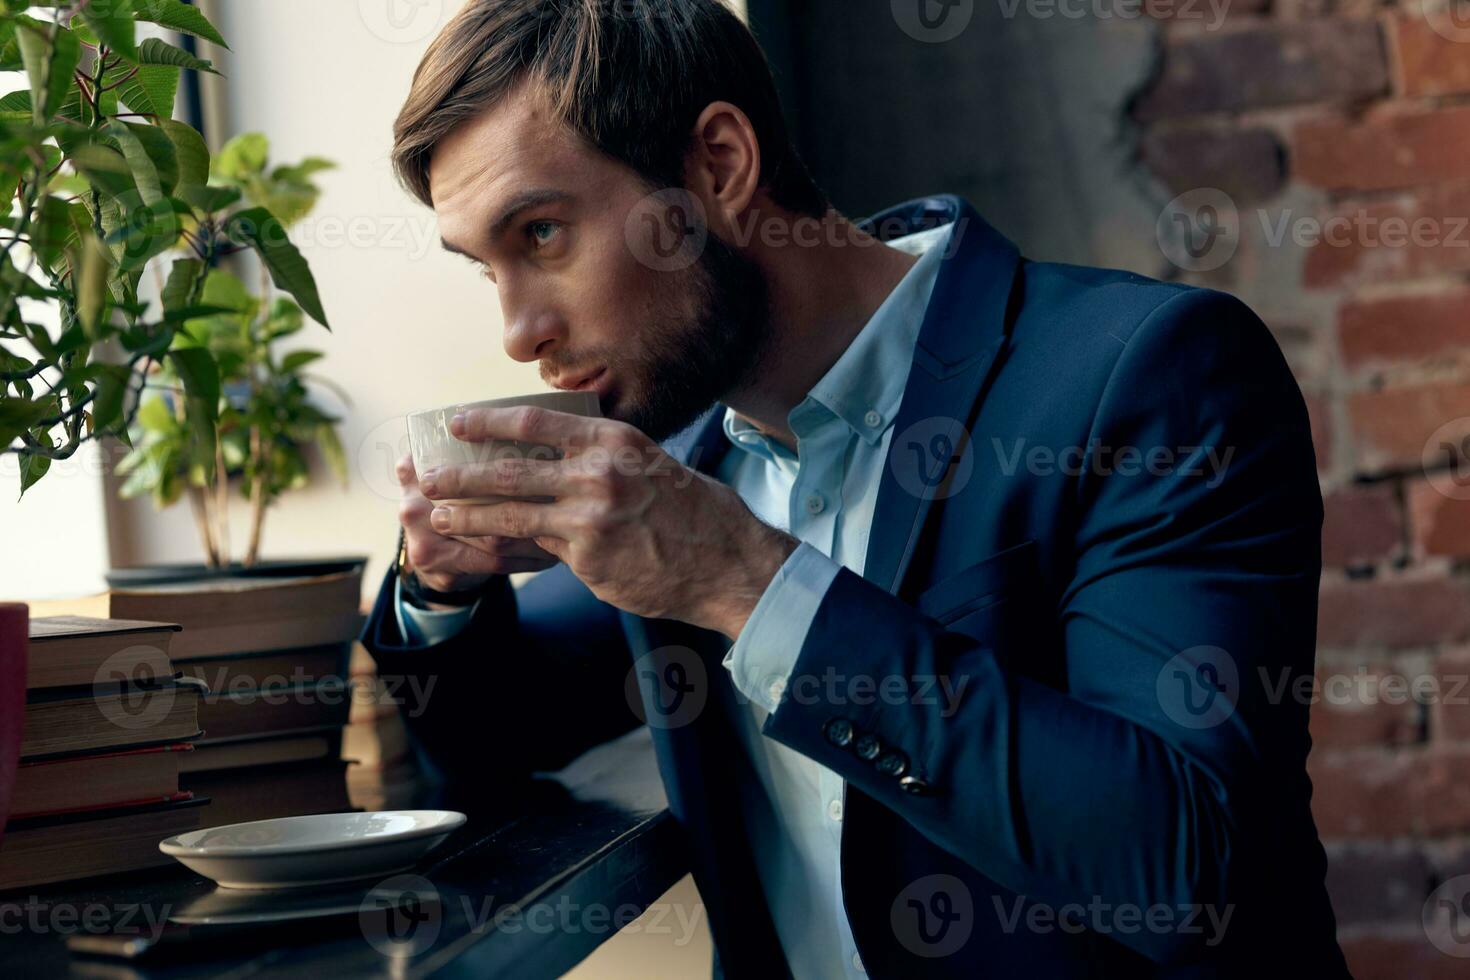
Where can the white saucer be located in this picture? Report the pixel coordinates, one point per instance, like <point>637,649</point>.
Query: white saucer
<point>294,852</point>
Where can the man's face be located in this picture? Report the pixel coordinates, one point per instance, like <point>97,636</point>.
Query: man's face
<point>546,218</point>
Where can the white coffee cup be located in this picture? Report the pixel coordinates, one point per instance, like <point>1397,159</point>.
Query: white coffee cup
<point>433,445</point>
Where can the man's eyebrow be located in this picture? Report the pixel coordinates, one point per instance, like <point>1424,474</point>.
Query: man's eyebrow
<point>521,202</point>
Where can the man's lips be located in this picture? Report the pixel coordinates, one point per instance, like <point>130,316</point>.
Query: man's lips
<point>584,383</point>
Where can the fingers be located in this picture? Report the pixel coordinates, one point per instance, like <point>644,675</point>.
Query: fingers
<point>510,519</point>
<point>526,423</point>
<point>496,478</point>
<point>499,547</point>
<point>404,471</point>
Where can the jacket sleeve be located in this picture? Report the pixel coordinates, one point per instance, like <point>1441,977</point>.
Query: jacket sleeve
<point>533,680</point>
<point>1136,779</point>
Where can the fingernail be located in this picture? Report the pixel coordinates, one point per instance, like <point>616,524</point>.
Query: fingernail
<point>429,483</point>
<point>440,518</point>
<point>456,425</point>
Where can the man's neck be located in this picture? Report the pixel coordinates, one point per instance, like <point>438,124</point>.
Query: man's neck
<point>821,298</point>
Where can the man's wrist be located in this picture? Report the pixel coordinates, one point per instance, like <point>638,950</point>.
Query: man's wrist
<point>736,602</point>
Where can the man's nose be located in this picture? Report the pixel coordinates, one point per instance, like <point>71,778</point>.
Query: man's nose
<point>532,336</point>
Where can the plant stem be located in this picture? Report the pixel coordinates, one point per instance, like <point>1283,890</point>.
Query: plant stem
<point>221,500</point>
<point>257,498</point>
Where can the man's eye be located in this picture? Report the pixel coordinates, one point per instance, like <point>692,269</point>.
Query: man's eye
<point>541,232</point>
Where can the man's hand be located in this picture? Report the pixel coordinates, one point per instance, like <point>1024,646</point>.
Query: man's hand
<point>448,564</point>
<point>643,532</point>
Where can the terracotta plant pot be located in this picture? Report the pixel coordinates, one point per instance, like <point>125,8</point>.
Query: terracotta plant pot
<point>14,633</point>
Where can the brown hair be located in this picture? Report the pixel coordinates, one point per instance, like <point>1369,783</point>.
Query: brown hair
<point>628,76</point>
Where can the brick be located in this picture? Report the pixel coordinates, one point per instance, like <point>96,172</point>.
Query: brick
<point>1372,883</point>
<point>1400,957</point>
<point>1425,61</point>
<point>1362,525</point>
<point>1451,709</point>
<point>1270,65</point>
<point>1404,328</point>
<point>1393,615</point>
<point>1440,524</point>
<point>1319,414</point>
<point>1383,150</point>
<point>1247,164</point>
<point>1391,427</point>
<point>1375,794</point>
<point>1412,235</point>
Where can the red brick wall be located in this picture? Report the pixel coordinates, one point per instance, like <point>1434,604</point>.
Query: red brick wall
<point>1301,111</point>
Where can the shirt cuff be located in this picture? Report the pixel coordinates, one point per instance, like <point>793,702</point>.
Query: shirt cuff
<point>429,627</point>
<point>764,654</point>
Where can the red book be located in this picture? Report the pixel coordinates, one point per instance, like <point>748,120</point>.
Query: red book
<point>77,783</point>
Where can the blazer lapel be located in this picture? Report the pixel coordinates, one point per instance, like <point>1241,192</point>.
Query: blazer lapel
<point>964,331</point>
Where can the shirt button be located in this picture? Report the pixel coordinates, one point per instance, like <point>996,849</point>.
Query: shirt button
<point>857,963</point>
<point>834,810</point>
<point>815,503</point>
<point>873,418</point>
<point>777,688</point>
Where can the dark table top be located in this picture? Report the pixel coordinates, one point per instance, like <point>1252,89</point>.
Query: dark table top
<point>537,878</point>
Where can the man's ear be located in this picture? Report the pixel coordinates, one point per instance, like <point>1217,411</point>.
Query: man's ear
<point>723,166</point>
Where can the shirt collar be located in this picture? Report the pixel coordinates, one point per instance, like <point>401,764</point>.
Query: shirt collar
<point>865,386</point>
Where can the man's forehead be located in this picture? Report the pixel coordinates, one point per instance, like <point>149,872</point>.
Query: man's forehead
<point>514,135</point>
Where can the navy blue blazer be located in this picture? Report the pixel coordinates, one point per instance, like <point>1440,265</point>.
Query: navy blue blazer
<point>1100,523</point>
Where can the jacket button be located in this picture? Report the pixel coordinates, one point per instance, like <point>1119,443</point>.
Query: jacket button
<point>839,732</point>
<point>867,747</point>
<point>893,763</point>
<point>914,785</point>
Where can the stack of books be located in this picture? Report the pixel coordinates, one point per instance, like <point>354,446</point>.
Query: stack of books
<point>107,724</point>
<point>383,774</point>
<point>273,653</point>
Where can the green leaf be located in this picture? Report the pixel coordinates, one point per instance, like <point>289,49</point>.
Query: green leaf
<point>150,156</point>
<point>210,200</point>
<point>156,52</point>
<point>180,16</point>
<point>182,278</point>
<point>106,170</point>
<point>112,22</point>
<point>154,416</point>
<point>140,234</point>
<point>332,451</point>
<point>32,468</point>
<point>58,228</point>
<point>17,415</point>
<point>243,157</point>
<point>298,359</point>
<point>152,91</point>
<point>225,290</point>
<point>196,368</point>
<point>89,279</point>
<point>190,152</point>
<point>16,107</point>
<point>107,407</point>
<point>48,66</point>
<point>285,319</point>
<point>288,269</point>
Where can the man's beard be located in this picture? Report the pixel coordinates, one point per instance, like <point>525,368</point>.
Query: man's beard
<point>688,361</point>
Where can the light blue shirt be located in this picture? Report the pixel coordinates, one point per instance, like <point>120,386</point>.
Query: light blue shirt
<point>824,494</point>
